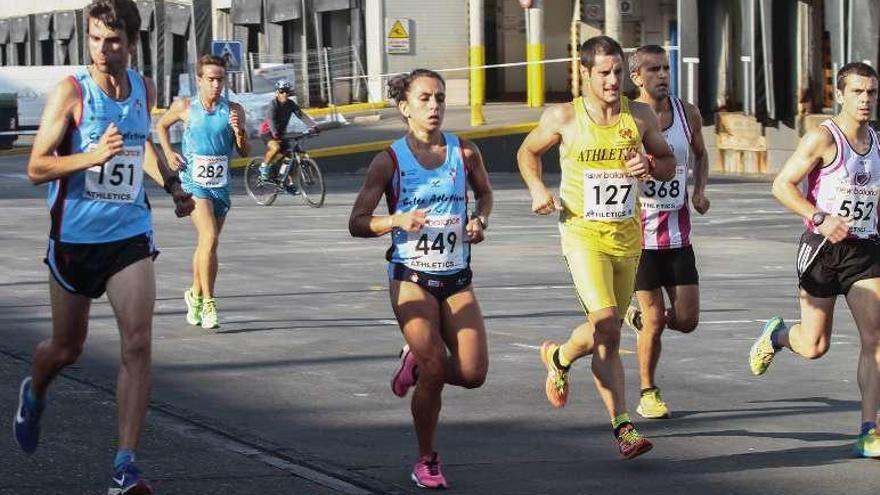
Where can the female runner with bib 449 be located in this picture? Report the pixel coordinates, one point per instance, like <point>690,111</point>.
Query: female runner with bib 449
<point>424,176</point>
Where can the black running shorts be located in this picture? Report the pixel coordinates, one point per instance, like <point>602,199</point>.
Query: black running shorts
<point>666,268</point>
<point>439,286</point>
<point>836,267</point>
<point>85,268</point>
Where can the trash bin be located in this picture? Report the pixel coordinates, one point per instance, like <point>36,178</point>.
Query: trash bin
<point>8,119</point>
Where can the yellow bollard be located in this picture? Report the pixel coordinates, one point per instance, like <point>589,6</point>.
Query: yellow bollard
<point>535,74</point>
<point>478,84</point>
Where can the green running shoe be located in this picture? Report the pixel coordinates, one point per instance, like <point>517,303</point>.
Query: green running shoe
<point>193,308</point>
<point>762,352</point>
<point>209,314</point>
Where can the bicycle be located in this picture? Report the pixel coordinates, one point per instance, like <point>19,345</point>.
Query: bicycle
<point>306,178</point>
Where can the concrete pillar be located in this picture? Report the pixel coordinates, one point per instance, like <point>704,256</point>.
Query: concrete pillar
<point>613,20</point>
<point>374,24</point>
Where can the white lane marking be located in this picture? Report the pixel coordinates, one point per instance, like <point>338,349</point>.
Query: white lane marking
<point>525,346</point>
<point>535,347</point>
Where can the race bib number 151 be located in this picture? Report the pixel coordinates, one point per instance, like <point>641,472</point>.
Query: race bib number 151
<point>119,179</point>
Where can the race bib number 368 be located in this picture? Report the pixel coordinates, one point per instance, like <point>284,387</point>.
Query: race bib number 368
<point>119,179</point>
<point>609,195</point>
<point>210,171</point>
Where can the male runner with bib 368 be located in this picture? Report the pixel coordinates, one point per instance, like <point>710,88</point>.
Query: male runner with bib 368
<point>667,260</point>
<point>832,181</point>
<point>600,136</point>
<point>213,126</point>
<point>424,176</point>
<point>92,148</point>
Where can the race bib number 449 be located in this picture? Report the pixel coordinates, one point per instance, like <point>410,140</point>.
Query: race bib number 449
<point>609,195</point>
<point>119,179</point>
<point>210,171</point>
<point>438,245</point>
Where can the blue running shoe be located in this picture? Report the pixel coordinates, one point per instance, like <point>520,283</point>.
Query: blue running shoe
<point>127,481</point>
<point>26,424</point>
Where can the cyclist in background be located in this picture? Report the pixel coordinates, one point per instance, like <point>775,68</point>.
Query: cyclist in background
<point>273,126</point>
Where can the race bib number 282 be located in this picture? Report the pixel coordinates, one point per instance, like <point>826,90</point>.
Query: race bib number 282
<point>210,171</point>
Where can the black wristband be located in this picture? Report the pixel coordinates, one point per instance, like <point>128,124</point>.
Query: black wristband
<point>169,182</point>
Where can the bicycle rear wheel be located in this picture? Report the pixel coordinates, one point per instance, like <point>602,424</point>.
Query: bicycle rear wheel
<point>310,182</point>
<point>263,192</point>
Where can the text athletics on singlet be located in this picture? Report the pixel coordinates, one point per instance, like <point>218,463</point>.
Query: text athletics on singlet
<point>599,199</point>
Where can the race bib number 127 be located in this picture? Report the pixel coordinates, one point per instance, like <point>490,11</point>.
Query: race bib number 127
<point>609,195</point>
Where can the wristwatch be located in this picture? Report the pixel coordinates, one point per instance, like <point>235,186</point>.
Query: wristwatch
<point>818,218</point>
<point>484,221</point>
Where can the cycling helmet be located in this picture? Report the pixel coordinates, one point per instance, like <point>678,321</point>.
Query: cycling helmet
<point>282,84</point>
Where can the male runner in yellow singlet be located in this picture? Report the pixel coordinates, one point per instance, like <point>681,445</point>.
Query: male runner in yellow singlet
<point>600,136</point>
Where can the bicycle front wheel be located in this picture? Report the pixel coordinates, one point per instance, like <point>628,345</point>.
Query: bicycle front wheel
<point>310,182</point>
<point>262,191</point>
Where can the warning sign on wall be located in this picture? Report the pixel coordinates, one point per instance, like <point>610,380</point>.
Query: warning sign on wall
<point>397,35</point>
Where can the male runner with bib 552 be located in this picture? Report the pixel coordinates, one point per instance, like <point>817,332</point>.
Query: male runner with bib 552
<point>214,125</point>
<point>92,148</point>
<point>600,136</point>
<point>838,165</point>
<point>667,260</point>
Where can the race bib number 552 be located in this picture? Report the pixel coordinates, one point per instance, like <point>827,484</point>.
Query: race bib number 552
<point>609,195</point>
<point>119,179</point>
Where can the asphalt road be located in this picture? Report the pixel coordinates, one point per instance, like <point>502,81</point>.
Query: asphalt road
<point>291,394</point>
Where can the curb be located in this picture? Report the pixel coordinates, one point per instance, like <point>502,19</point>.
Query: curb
<point>351,149</point>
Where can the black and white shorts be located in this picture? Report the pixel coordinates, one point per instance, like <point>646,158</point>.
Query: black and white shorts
<point>85,268</point>
<point>829,270</point>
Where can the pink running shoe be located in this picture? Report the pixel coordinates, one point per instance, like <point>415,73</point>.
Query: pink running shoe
<point>426,473</point>
<point>405,376</point>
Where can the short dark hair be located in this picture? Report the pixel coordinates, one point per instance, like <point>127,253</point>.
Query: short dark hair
<point>637,58</point>
<point>116,14</point>
<point>209,60</point>
<point>398,86</point>
<point>599,45</point>
<point>854,68</point>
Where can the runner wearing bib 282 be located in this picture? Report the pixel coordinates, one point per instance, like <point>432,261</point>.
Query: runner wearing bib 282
<point>213,127</point>
<point>832,182</point>
<point>600,137</point>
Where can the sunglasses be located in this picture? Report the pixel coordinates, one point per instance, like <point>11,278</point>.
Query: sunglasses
<point>283,91</point>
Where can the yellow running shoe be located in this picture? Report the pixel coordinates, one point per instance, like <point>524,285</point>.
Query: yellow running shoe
<point>868,445</point>
<point>651,405</point>
<point>762,352</point>
<point>556,385</point>
<point>633,319</point>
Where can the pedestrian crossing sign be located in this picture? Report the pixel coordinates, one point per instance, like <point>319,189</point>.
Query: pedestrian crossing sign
<point>229,51</point>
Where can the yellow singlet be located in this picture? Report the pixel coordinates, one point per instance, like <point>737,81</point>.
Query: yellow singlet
<point>599,224</point>
<point>600,202</point>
